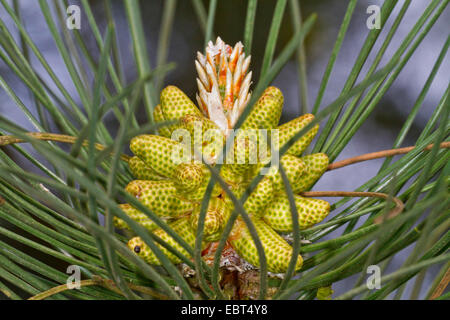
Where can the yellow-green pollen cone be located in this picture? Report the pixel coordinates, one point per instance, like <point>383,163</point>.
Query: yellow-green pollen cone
<point>174,191</point>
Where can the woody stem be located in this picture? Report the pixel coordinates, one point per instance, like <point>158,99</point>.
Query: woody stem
<point>379,154</point>
<point>44,136</point>
<point>98,281</point>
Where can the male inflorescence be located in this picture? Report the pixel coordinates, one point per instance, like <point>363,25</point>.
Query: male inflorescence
<point>174,189</point>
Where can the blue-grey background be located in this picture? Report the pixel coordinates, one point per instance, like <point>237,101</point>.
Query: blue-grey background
<point>378,132</point>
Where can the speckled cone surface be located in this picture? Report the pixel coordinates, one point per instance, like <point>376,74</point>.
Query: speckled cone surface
<point>174,191</point>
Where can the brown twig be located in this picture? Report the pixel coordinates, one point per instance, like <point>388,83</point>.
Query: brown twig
<point>379,154</point>
<point>98,281</point>
<point>393,213</point>
<point>43,136</point>
<point>441,286</point>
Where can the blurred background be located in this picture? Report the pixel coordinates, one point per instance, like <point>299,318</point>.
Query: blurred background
<point>378,132</point>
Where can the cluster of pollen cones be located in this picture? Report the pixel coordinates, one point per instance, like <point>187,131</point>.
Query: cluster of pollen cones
<point>174,191</point>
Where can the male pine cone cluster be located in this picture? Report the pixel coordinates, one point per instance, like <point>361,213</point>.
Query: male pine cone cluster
<point>174,190</point>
